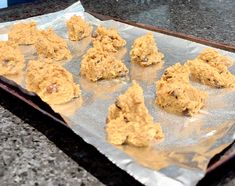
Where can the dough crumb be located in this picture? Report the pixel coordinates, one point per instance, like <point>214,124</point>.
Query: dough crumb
<point>98,64</point>
<point>51,82</point>
<point>108,39</point>
<point>144,51</point>
<point>78,28</point>
<point>176,94</point>
<point>11,59</point>
<point>52,46</point>
<point>129,121</point>
<point>211,68</point>
<point>24,33</point>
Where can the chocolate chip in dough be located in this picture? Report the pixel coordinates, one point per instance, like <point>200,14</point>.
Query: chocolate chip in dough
<point>173,93</point>
<point>5,62</point>
<point>117,104</point>
<point>125,119</point>
<point>186,112</point>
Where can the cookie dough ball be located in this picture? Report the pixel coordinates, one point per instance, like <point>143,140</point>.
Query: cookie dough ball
<point>108,39</point>
<point>210,75</point>
<point>211,68</point>
<point>180,98</point>
<point>51,82</point>
<point>175,94</point>
<point>24,33</point>
<point>144,51</point>
<point>129,121</point>
<point>98,64</point>
<point>11,59</point>
<point>50,45</point>
<point>78,28</point>
<point>215,59</point>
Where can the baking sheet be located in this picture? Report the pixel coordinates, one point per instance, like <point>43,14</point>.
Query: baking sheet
<point>190,142</point>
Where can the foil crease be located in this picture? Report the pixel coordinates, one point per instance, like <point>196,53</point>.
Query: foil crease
<point>190,142</point>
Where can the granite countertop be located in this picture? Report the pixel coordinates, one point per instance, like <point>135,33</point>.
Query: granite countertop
<point>35,150</point>
<point>214,19</point>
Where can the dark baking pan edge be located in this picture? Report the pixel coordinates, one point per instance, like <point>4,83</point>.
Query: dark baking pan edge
<point>33,101</point>
<point>30,100</point>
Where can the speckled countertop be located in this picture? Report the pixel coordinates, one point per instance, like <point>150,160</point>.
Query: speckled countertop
<point>35,150</point>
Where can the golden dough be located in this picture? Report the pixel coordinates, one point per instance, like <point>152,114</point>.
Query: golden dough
<point>108,39</point>
<point>24,33</point>
<point>211,68</point>
<point>11,59</point>
<point>209,75</point>
<point>129,122</point>
<point>176,73</point>
<point>175,94</point>
<point>98,64</point>
<point>51,82</point>
<point>215,59</point>
<point>51,46</point>
<point>144,51</point>
<point>78,28</point>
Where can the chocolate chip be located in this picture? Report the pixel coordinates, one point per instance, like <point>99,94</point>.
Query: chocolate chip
<point>93,57</point>
<point>167,77</point>
<point>173,93</point>
<point>220,86</point>
<point>125,119</point>
<point>112,37</point>
<point>166,72</point>
<point>5,62</point>
<point>217,84</point>
<point>52,88</point>
<point>186,112</point>
<point>117,104</point>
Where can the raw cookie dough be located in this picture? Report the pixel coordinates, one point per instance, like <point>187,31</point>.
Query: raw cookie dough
<point>129,122</point>
<point>51,46</point>
<point>144,51</point>
<point>211,68</point>
<point>24,33</point>
<point>215,59</point>
<point>11,59</point>
<point>108,39</point>
<point>98,64</point>
<point>78,28</point>
<point>175,94</point>
<point>51,82</point>
<point>210,75</point>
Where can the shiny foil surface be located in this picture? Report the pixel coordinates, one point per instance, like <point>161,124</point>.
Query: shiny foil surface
<point>181,158</point>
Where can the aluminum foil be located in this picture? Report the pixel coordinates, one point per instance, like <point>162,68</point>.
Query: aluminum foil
<point>190,142</point>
